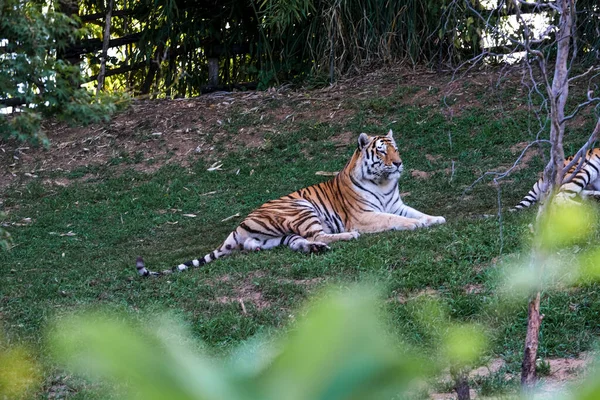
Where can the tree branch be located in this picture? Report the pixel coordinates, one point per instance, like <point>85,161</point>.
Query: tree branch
<point>102,72</point>
<point>118,70</point>
<point>97,16</point>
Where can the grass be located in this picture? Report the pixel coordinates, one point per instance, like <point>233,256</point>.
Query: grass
<point>80,249</point>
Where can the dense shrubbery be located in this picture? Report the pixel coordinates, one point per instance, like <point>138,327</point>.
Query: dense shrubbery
<point>35,82</point>
<point>268,42</point>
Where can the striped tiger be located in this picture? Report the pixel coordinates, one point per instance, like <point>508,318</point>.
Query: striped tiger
<point>585,183</point>
<point>362,198</point>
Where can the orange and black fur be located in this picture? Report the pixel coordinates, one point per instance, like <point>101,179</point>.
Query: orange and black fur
<point>585,183</point>
<point>362,198</point>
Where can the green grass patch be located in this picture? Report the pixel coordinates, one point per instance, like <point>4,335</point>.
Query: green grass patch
<point>79,250</point>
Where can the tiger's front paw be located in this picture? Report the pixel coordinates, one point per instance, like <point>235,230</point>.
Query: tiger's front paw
<point>428,221</point>
<point>439,220</point>
<point>353,235</point>
<point>412,224</point>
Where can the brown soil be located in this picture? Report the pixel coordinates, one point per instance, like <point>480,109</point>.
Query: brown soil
<point>474,289</point>
<point>415,173</point>
<point>152,133</point>
<point>562,371</point>
<point>246,293</point>
<point>402,298</point>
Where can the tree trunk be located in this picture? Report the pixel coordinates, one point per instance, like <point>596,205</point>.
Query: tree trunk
<point>534,321</point>
<point>154,64</point>
<point>96,16</point>
<point>101,75</point>
<point>553,173</point>
<point>559,92</point>
<point>462,386</point>
<point>213,71</point>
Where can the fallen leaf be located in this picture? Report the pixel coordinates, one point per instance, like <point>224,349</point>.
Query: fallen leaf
<point>326,173</point>
<point>230,217</point>
<point>215,166</point>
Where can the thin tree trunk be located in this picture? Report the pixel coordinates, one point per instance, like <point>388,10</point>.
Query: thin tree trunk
<point>213,71</point>
<point>559,92</point>
<point>534,322</point>
<point>102,73</point>
<point>462,386</point>
<point>154,65</point>
<point>553,175</point>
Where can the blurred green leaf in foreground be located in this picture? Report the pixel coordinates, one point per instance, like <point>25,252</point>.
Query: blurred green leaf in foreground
<point>19,373</point>
<point>338,350</point>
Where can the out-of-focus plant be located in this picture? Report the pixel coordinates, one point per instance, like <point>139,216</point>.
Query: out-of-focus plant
<point>563,230</point>
<point>19,373</point>
<point>556,261</point>
<point>338,350</point>
<point>459,347</point>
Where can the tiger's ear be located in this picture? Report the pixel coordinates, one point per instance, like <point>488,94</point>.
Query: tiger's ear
<point>390,134</point>
<point>363,140</point>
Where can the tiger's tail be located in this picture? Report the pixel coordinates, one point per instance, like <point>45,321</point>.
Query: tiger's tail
<point>530,198</point>
<point>229,246</point>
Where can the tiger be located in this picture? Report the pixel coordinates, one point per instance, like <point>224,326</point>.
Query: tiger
<point>585,183</point>
<point>362,198</point>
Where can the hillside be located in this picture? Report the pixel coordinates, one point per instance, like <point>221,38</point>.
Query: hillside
<point>169,179</point>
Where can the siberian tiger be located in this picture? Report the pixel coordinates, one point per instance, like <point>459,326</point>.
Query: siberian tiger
<point>362,198</point>
<point>585,183</point>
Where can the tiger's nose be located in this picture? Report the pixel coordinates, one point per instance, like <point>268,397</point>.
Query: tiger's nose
<point>397,163</point>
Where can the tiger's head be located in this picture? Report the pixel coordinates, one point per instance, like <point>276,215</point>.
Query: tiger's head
<point>379,160</point>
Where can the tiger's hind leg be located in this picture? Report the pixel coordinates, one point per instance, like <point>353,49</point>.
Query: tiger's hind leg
<point>293,241</point>
<point>303,245</point>
<point>317,243</point>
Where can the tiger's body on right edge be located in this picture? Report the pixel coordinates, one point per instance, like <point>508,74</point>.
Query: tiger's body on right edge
<point>585,183</point>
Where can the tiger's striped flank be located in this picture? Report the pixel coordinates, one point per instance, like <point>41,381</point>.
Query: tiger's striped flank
<point>362,198</point>
<point>585,183</point>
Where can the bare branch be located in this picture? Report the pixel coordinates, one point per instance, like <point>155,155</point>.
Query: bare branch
<point>590,69</point>
<point>579,107</point>
<point>538,5</point>
<point>502,175</point>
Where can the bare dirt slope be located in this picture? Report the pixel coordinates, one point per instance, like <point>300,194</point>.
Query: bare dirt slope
<point>167,131</point>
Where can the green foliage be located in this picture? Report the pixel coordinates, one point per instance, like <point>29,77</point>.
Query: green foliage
<point>558,260</point>
<point>19,373</point>
<point>280,15</point>
<point>267,42</point>
<point>565,224</point>
<point>542,368</point>
<point>337,350</point>
<point>460,351</point>
<point>32,39</point>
